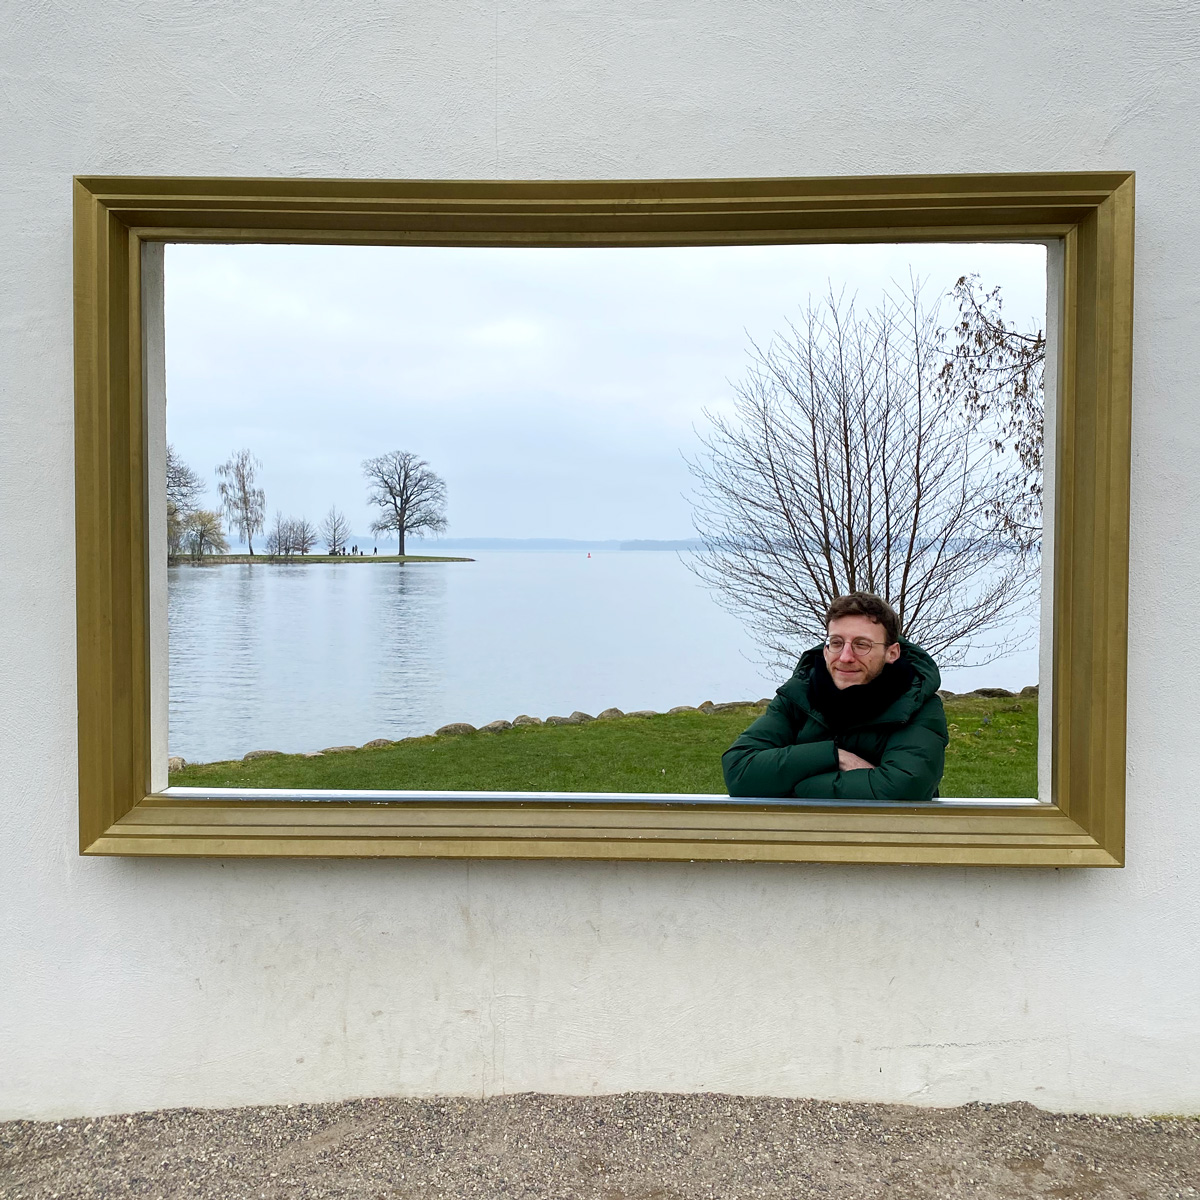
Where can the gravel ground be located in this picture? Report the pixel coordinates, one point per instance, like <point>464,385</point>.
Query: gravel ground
<point>643,1146</point>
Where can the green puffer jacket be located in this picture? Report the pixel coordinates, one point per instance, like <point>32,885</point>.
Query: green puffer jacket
<point>790,751</point>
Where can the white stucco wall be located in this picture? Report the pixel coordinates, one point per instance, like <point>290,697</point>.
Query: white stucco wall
<point>136,984</point>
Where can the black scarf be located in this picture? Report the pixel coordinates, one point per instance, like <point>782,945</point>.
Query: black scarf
<point>844,708</point>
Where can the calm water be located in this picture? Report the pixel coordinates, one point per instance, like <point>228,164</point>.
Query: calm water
<point>294,658</point>
<point>300,657</point>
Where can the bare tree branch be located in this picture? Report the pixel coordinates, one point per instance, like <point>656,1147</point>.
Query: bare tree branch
<point>998,374</point>
<point>184,489</point>
<point>409,495</point>
<point>848,464</point>
<point>335,531</point>
<point>304,535</point>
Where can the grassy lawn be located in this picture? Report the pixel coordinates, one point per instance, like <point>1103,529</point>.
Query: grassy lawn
<point>992,752</point>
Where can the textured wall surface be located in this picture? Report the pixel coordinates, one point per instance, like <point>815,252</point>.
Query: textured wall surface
<point>133,985</point>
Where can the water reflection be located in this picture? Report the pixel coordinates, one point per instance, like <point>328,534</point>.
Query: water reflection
<point>297,658</point>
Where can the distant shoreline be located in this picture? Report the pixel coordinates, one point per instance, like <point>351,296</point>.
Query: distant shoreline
<point>223,560</point>
<point>574,544</point>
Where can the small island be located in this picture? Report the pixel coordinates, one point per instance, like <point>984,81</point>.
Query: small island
<point>410,496</point>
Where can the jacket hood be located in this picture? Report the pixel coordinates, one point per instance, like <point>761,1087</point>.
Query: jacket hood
<point>927,679</point>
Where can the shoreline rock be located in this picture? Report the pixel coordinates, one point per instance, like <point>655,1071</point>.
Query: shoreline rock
<point>177,763</point>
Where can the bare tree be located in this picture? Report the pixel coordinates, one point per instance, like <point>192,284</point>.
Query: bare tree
<point>184,489</point>
<point>203,533</point>
<point>280,543</point>
<point>304,535</point>
<point>409,495</point>
<point>846,466</point>
<point>998,374</point>
<point>184,486</point>
<point>243,503</point>
<point>335,530</point>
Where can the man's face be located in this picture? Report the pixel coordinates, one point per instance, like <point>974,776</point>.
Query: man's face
<point>848,667</point>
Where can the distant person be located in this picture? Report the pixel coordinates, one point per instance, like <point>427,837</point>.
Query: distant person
<point>860,718</point>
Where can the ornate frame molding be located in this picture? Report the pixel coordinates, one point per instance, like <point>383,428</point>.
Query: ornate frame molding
<point>1092,214</point>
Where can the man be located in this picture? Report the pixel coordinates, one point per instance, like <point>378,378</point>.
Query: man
<point>860,718</point>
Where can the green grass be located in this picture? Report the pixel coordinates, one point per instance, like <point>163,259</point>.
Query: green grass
<point>993,747</point>
<point>992,752</point>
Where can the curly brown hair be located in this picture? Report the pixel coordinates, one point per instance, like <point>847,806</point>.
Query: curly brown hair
<point>866,604</point>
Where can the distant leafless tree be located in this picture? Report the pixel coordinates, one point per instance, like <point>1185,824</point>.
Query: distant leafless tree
<point>304,535</point>
<point>290,535</point>
<point>203,533</point>
<point>176,527</point>
<point>184,489</point>
<point>846,465</point>
<point>184,486</point>
<point>280,542</point>
<point>244,504</point>
<point>998,373</point>
<point>335,531</point>
<point>409,495</point>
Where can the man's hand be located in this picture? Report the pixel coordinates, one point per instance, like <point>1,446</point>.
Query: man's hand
<point>848,761</point>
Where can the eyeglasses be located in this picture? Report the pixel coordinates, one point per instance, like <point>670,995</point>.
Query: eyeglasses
<point>860,646</point>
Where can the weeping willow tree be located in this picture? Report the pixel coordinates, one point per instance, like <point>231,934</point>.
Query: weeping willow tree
<point>851,460</point>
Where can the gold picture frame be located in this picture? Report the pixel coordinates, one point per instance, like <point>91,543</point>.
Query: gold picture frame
<point>1083,825</point>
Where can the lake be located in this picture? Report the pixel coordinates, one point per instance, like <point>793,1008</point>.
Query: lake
<point>297,657</point>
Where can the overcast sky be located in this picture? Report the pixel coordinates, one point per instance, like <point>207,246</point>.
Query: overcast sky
<point>555,390</point>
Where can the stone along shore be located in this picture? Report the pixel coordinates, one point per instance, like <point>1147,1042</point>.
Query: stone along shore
<point>458,728</point>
